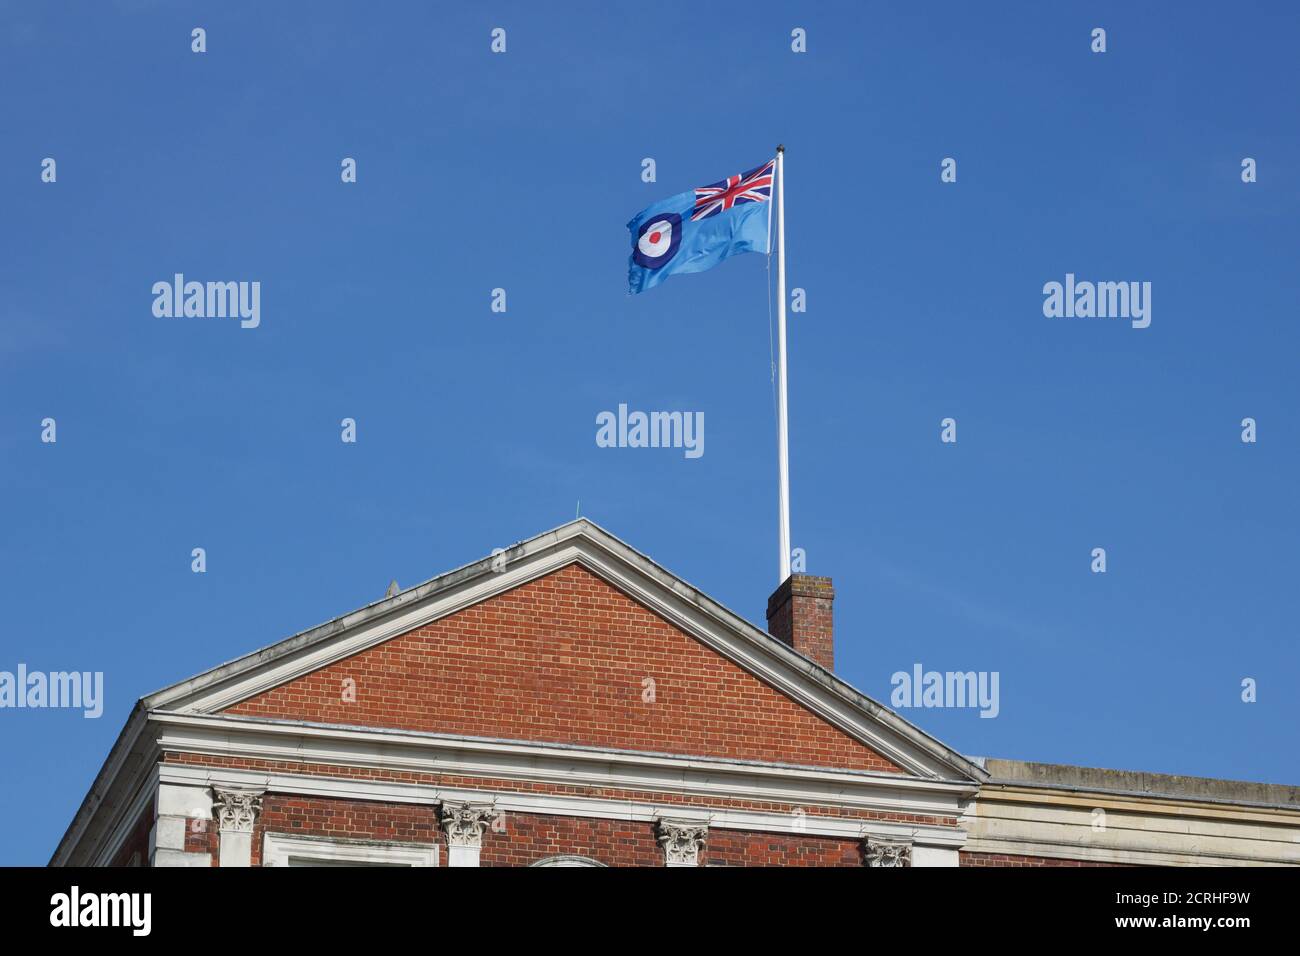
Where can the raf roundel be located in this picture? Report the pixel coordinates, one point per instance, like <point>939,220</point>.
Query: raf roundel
<point>657,240</point>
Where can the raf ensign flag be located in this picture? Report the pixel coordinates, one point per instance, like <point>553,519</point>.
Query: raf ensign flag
<point>695,230</point>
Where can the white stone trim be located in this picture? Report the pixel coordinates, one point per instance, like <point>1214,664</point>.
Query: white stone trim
<point>935,856</point>
<point>163,857</point>
<point>178,804</point>
<point>169,833</point>
<point>567,805</point>
<point>560,766</point>
<point>279,849</point>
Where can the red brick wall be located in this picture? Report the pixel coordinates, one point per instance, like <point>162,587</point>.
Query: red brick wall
<point>522,839</point>
<point>565,659</point>
<point>201,836</point>
<point>744,848</point>
<point>1002,859</point>
<point>347,819</point>
<point>525,838</point>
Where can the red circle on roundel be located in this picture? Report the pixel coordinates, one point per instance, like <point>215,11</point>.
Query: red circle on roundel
<point>657,240</point>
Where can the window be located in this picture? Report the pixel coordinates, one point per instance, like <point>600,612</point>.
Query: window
<point>567,861</point>
<point>280,849</point>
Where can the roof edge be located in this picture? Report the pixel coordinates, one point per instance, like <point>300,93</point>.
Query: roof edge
<point>584,528</point>
<point>1134,783</point>
<point>104,781</point>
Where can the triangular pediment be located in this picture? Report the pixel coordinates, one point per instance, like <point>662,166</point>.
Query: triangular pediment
<point>569,637</point>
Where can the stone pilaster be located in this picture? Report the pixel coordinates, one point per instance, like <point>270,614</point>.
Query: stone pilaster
<point>883,851</point>
<point>464,822</point>
<point>682,840</point>
<point>236,811</point>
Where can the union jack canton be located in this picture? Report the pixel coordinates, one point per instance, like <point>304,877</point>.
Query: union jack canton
<point>753,186</point>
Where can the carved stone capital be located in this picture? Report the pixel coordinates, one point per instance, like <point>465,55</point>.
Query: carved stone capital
<point>236,809</point>
<point>464,822</point>
<point>682,840</point>
<point>885,851</point>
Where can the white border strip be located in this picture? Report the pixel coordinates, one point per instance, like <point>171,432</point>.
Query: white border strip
<point>562,805</point>
<point>565,767</point>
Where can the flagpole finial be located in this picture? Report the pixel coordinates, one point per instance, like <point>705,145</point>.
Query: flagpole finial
<point>780,148</point>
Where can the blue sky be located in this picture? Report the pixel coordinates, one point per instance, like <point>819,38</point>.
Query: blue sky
<point>475,429</point>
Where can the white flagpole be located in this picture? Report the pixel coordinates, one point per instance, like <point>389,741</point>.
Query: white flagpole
<point>783,449</point>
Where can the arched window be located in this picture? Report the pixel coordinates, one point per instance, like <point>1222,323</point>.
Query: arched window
<point>567,861</point>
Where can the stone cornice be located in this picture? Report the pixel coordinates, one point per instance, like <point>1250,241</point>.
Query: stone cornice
<point>1153,803</point>
<point>402,751</point>
<point>838,826</point>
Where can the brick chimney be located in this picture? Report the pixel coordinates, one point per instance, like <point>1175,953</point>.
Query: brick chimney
<point>799,616</point>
